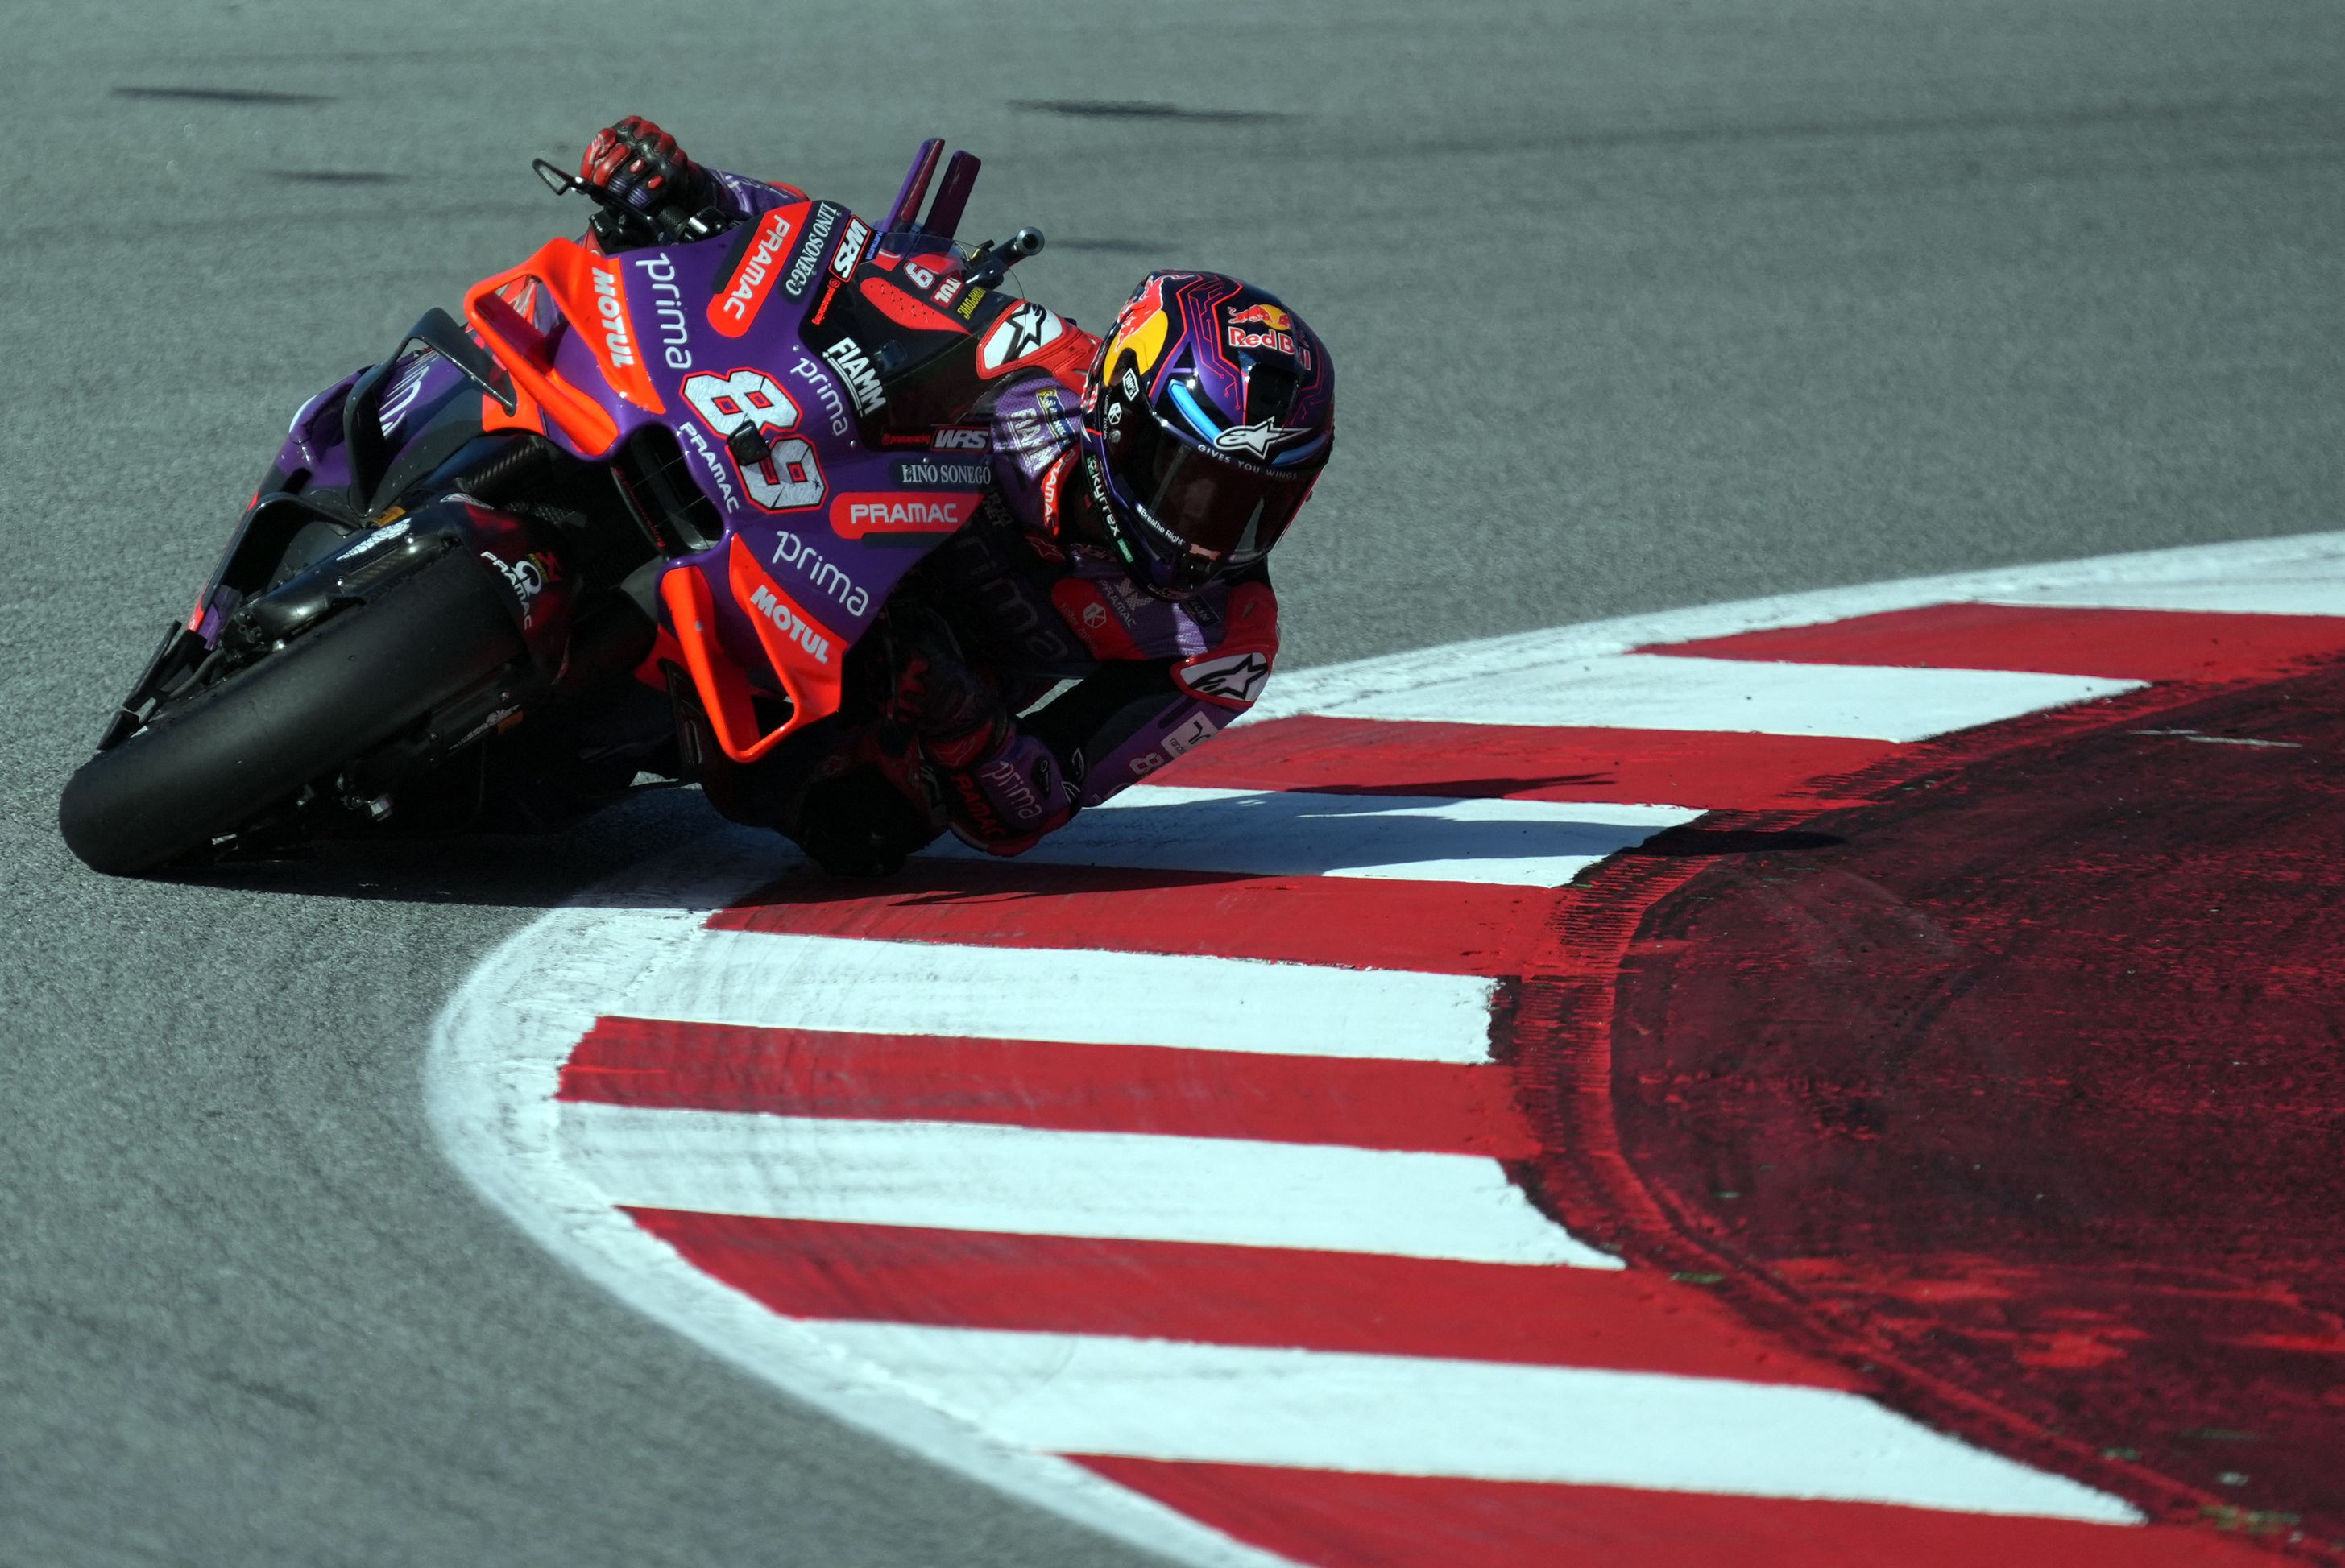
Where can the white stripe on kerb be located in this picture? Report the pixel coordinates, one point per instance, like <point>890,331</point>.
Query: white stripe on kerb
<point>775,981</point>
<point>1664,692</point>
<point>1279,832</point>
<point>2317,594</point>
<point>1398,1415</point>
<point>958,1176</point>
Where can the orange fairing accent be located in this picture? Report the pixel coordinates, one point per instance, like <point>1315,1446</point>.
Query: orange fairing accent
<point>805,654</point>
<point>526,414</point>
<point>591,294</point>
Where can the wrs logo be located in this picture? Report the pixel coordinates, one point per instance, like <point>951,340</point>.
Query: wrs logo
<point>850,247</point>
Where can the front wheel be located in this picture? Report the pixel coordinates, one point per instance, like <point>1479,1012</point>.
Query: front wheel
<point>213,763</point>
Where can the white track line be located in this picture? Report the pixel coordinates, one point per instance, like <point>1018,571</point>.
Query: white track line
<point>1513,843</point>
<point>1003,1406</point>
<point>961,1176</point>
<point>775,981</point>
<point>1399,1415</point>
<point>2319,594</point>
<point>2275,575</point>
<point>1664,692</point>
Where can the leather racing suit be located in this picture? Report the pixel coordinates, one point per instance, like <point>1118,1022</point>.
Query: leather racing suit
<point>1017,675</point>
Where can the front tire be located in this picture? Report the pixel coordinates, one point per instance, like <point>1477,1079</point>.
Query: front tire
<point>213,763</point>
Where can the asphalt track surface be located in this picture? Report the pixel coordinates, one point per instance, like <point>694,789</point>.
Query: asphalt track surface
<point>1636,306</point>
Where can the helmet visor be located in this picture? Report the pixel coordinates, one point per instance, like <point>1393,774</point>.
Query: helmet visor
<point>1196,500</point>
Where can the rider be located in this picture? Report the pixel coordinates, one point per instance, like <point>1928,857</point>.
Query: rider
<point>1137,487</point>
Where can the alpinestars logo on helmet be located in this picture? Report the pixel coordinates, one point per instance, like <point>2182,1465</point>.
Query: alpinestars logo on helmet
<point>1256,440</point>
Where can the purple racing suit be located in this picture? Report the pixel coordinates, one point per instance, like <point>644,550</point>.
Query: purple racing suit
<point>1031,602</point>
<point>1016,675</point>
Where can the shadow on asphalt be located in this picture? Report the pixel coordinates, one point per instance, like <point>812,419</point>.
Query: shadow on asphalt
<point>510,870</point>
<point>540,871</point>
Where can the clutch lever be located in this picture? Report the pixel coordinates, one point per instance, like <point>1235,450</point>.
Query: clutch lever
<point>618,221</point>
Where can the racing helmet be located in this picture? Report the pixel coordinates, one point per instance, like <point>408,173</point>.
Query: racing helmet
<point>1208,417</point>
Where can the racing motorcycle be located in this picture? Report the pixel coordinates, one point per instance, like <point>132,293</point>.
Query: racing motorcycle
<point>629,515</point>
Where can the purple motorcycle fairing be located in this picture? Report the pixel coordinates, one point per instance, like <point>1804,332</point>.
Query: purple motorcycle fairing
<point>818,446</point>
<point>831,298</point>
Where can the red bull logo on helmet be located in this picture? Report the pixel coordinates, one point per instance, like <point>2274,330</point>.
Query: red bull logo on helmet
<point>1276,329</point>
<point>1269,316</point>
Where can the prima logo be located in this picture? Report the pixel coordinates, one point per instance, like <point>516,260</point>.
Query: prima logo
<point>854,366</point>
<point>618,343</point>
<point>667,309</point>
<point>787,621</point>
<point>826,576</point>
<point>1012,787</point>
<point>807,370</point>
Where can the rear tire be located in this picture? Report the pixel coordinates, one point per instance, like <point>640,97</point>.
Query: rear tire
<point>212,764</point>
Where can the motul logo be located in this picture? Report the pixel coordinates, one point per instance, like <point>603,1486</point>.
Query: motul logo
<point>764,603</point>
<point>617,341</point>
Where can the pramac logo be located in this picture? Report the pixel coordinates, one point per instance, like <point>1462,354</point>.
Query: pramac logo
<point>853,516</point>
<point>732,311</point>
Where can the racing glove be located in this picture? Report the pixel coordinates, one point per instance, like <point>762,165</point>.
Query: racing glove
<point>1002,788</point>
<point>641,166</point>
<point>1007,799</point>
